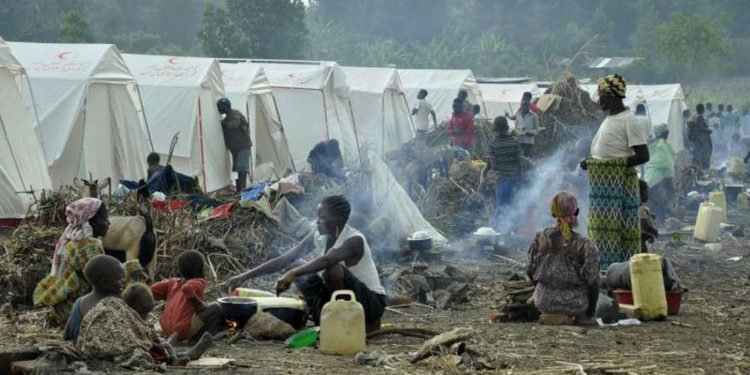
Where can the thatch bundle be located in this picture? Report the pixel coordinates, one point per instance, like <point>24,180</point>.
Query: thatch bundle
<point>574,116</point>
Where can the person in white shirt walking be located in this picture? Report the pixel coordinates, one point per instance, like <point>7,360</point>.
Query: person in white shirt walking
<point>423,110</point>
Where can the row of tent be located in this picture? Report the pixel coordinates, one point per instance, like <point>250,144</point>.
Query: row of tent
<point>70,110</point>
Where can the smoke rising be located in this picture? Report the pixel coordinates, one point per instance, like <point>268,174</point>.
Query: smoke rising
<point>529,211</point>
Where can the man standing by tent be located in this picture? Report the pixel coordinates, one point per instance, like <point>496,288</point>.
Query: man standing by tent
<point>700,136</point>
<point>527,123</point>
<point>237,139</point>
<point>423,110</point>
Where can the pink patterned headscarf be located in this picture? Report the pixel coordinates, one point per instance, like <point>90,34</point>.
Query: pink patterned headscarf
<point>77,214</point>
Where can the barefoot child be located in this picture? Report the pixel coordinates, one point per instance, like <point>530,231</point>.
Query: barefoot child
<point>138,297</point>
<point>185,312</point>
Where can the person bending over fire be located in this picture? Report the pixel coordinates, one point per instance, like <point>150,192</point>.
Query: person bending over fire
<point>342,260</point>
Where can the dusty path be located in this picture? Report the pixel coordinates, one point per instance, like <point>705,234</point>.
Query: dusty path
<point>710,336</point>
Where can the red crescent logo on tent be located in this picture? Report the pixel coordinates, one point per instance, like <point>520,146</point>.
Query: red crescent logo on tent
<point>172,60</point>
<point>64,55</point>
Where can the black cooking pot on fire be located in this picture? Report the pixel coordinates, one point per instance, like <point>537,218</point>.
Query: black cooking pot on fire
<point>238,309</point>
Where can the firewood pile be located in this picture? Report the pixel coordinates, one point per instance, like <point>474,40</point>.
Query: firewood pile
<point>518,304</point>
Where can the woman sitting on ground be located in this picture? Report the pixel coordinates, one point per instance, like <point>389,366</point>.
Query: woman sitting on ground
<point>564,265</point>
<point>87,219</point>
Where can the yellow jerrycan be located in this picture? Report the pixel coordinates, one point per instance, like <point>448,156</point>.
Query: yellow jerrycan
<point>736,167</point>
<point>342,325</point>
<point>719,200</point>
<point>743,203</point>
<point>648,286</point>
<point>708,222</point>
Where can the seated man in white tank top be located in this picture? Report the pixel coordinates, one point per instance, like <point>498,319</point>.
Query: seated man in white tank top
<point>342,260</point>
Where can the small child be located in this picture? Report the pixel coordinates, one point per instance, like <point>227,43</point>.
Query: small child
<point>138,297</point>
<point>154,167</point>
<point>185,312</point>
<point>105,275</point>
<point>648,223</point>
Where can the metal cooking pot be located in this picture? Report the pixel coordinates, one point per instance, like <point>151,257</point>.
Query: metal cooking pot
<point>238,309</point>
<point>420,245</point>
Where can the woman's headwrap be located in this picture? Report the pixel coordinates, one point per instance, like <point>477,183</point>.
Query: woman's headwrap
<point>613,84</point>
<point>564,208</point>
<point>77,214</point>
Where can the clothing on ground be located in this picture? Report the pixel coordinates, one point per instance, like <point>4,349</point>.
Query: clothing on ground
<point>614,201</point>
<point>422,118</point>
<point>317,294</point>
<point>461,128</point>
<point>505,154</point>
<point>112,331</point>
<point>566,273</point>
<point>179,309</point>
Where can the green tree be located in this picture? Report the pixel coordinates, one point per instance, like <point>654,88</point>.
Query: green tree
<point>75,28</point>
<point>270,29</point>
<point>689,44</point>
<point>221,37</point>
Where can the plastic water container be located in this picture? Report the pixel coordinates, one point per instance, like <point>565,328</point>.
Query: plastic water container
<point>708,222</point>
<point>719,200</point>
<point>743,203</point>
<point>648,286</point>
<point>736,167</point>
<point>342,325</point>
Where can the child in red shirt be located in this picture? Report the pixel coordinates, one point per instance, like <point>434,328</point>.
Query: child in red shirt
<point>185,312</point>
<point>461,126</point>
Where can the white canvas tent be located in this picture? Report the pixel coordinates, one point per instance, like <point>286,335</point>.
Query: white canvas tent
<point>442,87</point>
<point>313,100</point>
<point>664,104</point>
<point>249,90</point>
<point>502,98</point>
<point>22,163</point>
<point>179,96</point>
<point>89,112</point>
<point>380,109</point>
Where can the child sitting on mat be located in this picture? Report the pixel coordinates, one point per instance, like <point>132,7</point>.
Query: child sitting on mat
<point>185,312</point>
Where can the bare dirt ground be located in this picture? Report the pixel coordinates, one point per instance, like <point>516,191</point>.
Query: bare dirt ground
<point>709,336</point>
